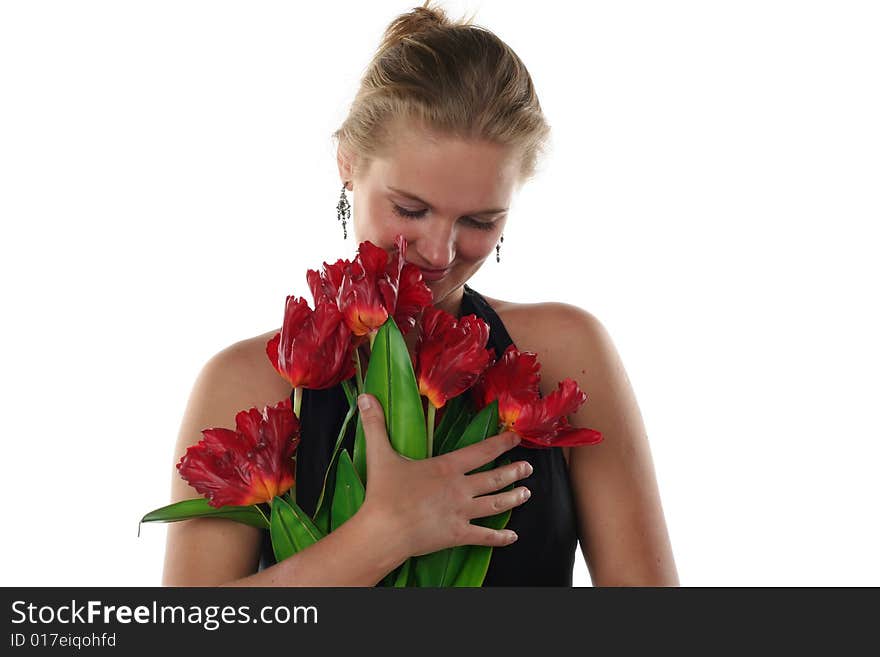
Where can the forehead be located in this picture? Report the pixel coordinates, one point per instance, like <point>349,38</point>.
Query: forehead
<point>446,169</point>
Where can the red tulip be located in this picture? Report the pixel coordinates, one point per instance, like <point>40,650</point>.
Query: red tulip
<point>314,348</point>
<point>326,284</point>
<point>250,465</point>
<point>371,287</point>
<point>413,296</point>
<point>516,374</point>
<point>450,354</point>
<point>541,422</point>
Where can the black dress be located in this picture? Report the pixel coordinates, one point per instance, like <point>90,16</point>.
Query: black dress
<point>545,551</point>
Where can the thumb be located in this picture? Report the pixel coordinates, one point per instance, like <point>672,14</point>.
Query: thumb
<point>375,433</point>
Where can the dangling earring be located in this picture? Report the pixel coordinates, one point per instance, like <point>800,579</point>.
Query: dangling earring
<point>343,210</point>
<point>498,250</point>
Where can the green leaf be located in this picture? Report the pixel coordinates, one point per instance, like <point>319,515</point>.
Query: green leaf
<point>405,575</point>
<point>322,516</point>
<point>359,458</point>
<point>322,508</point>
<point>350,393</point>
<point>391,577</point>
<point>291,529</point>
<point>459,557</point>
<point>281,524</point>
<point>431,568</point>
<point>442,568</point>
<point>474,564</point>
<point>349,493</point>
<point>450,411</point>
<point>483,425</point>
<point>199,508</point>
<point>456,416</point>
<point>391,379</point>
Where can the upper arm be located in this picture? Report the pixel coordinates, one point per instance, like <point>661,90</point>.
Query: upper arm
<point>621,526</point>
<point>206,551</point>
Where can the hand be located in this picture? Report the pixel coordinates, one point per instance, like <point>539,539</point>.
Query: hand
<point>430,502</point>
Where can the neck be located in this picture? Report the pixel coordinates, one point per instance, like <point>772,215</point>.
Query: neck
<point>451,302</point>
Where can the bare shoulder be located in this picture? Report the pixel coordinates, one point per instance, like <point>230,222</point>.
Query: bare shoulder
<point>556,331</point>
<point>242,372</point>
<point>621,524</point>
<point>206,551</point>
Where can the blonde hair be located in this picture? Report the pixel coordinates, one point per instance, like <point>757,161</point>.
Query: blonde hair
<point>455,79</point>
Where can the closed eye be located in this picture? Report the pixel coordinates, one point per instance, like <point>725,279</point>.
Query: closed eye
<point>418,214</point>
<point>413,214</point>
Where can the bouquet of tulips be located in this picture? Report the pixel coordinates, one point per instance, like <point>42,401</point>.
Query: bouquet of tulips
<point>364,307</point>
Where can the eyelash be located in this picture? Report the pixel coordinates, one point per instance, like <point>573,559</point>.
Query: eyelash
<point>418,214</point>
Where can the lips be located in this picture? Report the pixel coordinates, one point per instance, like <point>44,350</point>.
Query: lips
<point>433,274</point>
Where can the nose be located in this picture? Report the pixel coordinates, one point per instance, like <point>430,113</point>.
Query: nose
<point>435,246</point>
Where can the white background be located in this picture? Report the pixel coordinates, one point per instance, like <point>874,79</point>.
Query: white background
<point>167,176</point>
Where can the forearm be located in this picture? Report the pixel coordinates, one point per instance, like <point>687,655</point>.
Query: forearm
<point>359,553</point>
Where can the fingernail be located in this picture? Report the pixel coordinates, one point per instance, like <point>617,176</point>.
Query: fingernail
<point>511,536</point>
<point>516,439</point>
<point>364,403</point>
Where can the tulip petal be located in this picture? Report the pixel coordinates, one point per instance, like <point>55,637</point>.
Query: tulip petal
<point>516,374</point>
<point>451,354</point>
<point>567,437</point>
<point>246,466</point>
<point>315,348</point>
<point>272,351</point>
<point>371,288</point>
<point>325,285</point>
<point>514,382</point>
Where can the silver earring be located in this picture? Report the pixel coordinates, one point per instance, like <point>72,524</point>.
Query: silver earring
<point>498,249</point>
<point>343,211</point>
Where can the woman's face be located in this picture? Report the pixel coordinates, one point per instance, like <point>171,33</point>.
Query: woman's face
<point>449,199</point>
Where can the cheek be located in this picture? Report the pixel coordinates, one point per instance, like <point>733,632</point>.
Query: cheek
<point>377,223</point>
<point>380,225</point>
<point>475,245</point>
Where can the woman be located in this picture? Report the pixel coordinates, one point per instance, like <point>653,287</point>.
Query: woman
<point>446,126</point>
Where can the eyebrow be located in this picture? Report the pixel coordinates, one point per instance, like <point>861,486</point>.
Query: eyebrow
<point>425,203</point>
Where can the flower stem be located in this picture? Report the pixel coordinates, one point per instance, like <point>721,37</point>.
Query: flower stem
<point>262,513</point>
<point>351,409</point>
<point>357,369</point>
<point>297,400</point>
<point>431,412</point>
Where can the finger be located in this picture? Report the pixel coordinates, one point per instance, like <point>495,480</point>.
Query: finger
<point>473,456</point>
<point>496,479</point>
<point>489,505</point>
<point>476,535</point>
<point>375,432</point>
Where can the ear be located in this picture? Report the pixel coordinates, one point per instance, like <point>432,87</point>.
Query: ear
<point>345,162</point>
